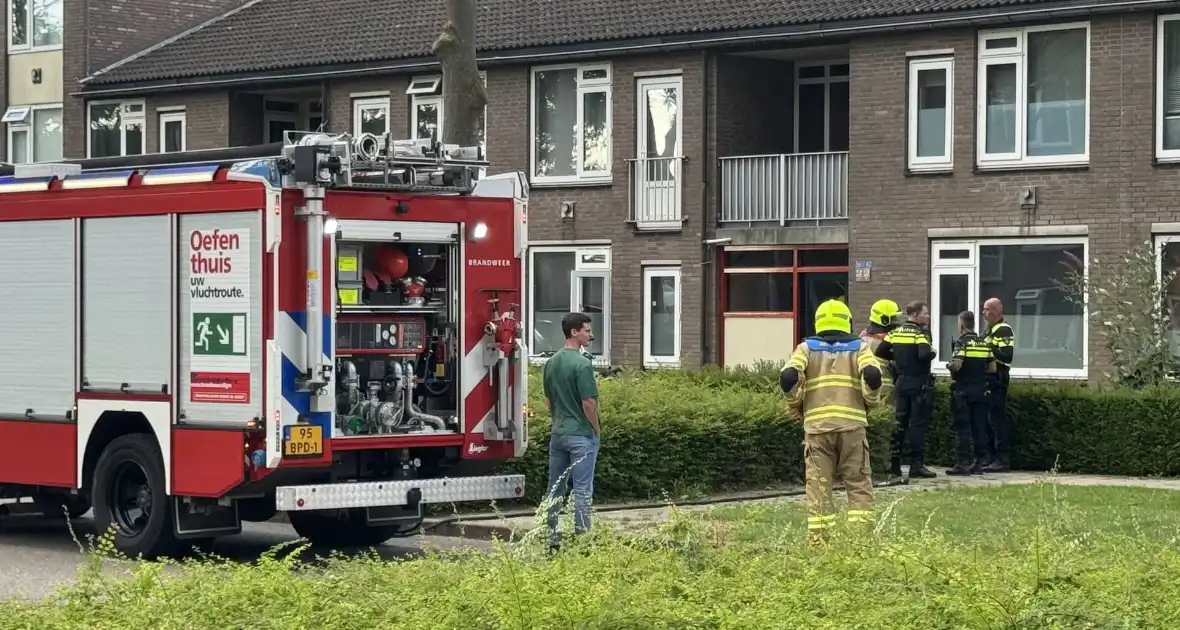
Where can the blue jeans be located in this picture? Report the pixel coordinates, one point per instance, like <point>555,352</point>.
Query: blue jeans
<point>571,460</point>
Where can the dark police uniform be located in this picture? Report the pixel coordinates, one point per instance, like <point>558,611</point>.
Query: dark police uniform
<point>999,336</point>
<point>909,348</point>
<point>971,365</point>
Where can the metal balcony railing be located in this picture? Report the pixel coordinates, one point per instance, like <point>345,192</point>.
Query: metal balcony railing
<point>656,199</point>
<point>784,188</point>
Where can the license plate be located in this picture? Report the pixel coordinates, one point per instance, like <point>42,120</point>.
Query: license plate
<point>304,440</point>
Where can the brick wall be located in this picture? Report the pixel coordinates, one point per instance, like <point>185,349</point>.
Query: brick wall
<point>206,118</point>
<point>601,210</point>
<point>98,34</point>
<point>1117,196</point>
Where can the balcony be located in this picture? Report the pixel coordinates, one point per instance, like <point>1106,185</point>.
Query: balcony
<point>656,195</point>
<point>784,189</point>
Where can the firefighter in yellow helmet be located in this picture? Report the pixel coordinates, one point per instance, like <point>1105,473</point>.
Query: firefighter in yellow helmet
<point>884,316</point>
<point>831,381</point>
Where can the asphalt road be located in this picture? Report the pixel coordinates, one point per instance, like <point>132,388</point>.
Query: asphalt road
<point>38,556</point>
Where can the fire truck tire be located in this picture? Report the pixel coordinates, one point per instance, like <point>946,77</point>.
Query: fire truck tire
<point>334,529</point>
<point>128,493</point>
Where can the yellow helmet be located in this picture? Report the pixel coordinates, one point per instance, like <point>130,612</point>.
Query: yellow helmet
<point>833,315</point>
<point>884,312</point>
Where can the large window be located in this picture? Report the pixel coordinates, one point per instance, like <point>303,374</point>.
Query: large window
<point>661,316</point>
<point>571,116</point>
<point>370,115</point>
<point>34,25</point>
<point>1167,86</point>
<point>1026,275</point>
<point>1033,96</point>
<point>116,128</point>
<point>931,114</point>
<point>821,107</point>
<point>426,109</point>
<point>34,133</point>
<point>563,280</point>
<point>777,282</point>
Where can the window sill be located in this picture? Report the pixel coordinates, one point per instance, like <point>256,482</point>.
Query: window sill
<point>930,169</point>
<point>1166,160</point>
<point>586,182</point>
<point>661,365</point>
<point>1032,374</point>
<point>25,50</point>
<point>1072,164</point>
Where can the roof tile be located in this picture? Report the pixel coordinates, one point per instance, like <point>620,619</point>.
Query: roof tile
<point>269,35</point>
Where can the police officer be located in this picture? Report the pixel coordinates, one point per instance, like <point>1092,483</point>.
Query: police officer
<point>971,365</point>
<point>1002,341</point>
<point>909,348</point>
<point>884,316</point>
<point>831,380</point>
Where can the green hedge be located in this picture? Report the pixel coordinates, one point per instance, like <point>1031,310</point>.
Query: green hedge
<point>1075,427</point>
<point>676,434</point>
<point>680,433</point>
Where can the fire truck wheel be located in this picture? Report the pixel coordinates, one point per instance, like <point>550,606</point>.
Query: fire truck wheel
<point>128,493</point>
<point>335,529</point>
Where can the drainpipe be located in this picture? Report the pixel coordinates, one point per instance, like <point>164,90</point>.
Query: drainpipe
<point>706,164</point>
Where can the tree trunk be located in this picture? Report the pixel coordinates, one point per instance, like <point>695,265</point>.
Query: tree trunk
<point>464,96</point>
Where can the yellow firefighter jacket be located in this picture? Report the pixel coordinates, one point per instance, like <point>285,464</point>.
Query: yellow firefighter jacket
<point>872,340</point>
<point>832,392</point>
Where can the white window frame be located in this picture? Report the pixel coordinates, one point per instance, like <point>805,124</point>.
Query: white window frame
<point>970,267</point>
<point>827,80</point>
<point>420,95</point>
<point>582,269</point>
<point>124,118</point>
<point>1018,55</point>
<point>369,102</point>
<point>1160,241</point>
<point>650,360</point>
<point>12,131</point>
<point>945,162</point>
<point>25,123</point>
<point>163,118</point>
<point>1162,154</point>
<point>585,86</point>
<point>27,47</point>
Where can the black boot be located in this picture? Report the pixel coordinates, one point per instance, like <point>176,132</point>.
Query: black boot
<point>977,467</point>
<point>998,466</point>
<point>960,470</point>
<point>919,470</point>
<point>895,467</point>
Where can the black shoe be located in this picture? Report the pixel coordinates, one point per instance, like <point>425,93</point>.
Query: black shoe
<point>922,472</point>
<point>977,469</point>
<point>895,467</point>
<point>997,466</point>
<point>959,470</point>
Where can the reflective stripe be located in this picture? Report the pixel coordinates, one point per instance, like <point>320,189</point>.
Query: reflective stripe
<point>906,338</point>
<point>821,522</point>
<point>833,380</point>
<point>833,412</point>
<point>860,516</point>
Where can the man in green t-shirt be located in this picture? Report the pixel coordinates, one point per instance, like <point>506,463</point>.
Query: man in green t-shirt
<point>571,394</point>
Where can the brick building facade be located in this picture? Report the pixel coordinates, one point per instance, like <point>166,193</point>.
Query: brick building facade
<point>727,176</point>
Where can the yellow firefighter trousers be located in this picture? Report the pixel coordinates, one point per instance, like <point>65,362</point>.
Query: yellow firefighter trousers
<point>825,454</point>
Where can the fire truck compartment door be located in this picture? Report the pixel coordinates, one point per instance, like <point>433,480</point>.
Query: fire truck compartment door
<point>335,496</point>
<point>397,231</point>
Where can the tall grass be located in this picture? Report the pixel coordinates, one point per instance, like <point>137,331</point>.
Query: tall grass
<point>1056,571</point>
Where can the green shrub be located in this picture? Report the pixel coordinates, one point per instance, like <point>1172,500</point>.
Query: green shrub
<point>682,433</point>
<point>1073,426</point>
<point>1056,570</point>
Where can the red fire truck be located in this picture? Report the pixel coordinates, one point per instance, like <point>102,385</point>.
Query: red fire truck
<point>326,328</point>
